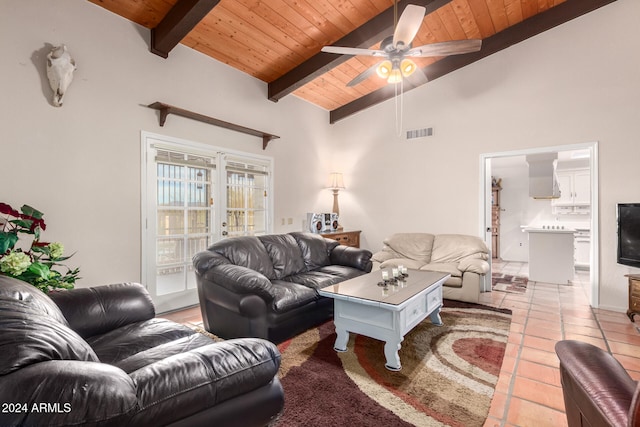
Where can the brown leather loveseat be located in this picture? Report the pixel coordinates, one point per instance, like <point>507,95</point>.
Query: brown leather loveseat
<point>99,357</point>
<point>597,389</point>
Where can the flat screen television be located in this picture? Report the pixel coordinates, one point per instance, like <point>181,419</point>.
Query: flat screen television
<point>629,234</point>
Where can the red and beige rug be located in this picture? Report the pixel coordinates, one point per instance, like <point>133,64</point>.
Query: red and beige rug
<point>509,283</point>
<point>448,374</point>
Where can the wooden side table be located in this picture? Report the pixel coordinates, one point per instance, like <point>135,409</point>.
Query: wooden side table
<point>347,238</point>
<point>634,295</point>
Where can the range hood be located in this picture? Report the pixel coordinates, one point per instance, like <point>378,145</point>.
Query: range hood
<point>543,182</point>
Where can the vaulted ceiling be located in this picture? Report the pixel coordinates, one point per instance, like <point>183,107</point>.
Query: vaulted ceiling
<point>279,41</point>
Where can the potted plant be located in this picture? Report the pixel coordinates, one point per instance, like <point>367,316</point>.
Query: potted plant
<point>39,263</point>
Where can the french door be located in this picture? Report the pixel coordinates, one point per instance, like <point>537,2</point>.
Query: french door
<point>193,196</point>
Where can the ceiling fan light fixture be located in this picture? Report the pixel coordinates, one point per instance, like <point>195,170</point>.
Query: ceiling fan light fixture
<point>407,67</point>
<point>395,76</point>
<point>384,69</point>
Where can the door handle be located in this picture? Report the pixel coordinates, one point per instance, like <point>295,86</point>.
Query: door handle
<point>224,224</point>
<point>224,233</point>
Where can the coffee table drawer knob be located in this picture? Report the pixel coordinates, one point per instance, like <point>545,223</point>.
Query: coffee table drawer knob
<point>417,310</point>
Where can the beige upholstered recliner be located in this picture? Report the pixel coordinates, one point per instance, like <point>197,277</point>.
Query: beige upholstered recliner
<point>464,257</point>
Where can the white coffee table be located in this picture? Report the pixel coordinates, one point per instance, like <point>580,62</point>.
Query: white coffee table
<point>363,307</point>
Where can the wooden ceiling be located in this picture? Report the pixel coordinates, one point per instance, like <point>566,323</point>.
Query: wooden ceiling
<point>279,41</point>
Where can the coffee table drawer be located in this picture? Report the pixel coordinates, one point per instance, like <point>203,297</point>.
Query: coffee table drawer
<point>418,310</point>
<point>415,312</point>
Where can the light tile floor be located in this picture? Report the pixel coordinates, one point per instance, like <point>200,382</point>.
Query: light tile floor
<point>528,392</point>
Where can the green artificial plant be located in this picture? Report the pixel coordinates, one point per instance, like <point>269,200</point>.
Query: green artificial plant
<point>41,264</point>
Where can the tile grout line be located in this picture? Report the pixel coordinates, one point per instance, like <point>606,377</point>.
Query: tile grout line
<point>512,381</point>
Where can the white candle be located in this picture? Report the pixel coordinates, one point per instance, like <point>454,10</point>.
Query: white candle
<point>394,272</point>
<point>385,275</point>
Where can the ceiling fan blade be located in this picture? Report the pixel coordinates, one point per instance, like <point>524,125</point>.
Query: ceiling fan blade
<point>417,78</point>
<point>363,75</point>
<point>353,51</point>
<point>454,47</point>
<point>408,25</point>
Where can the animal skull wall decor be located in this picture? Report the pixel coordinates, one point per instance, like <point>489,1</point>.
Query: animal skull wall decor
<point>60,68</point>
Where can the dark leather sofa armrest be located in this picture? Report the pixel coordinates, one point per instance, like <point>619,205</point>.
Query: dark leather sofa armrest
<point>67,392</point>
<point>352,257</point>
<point>595,385</point>
<point>201,378</point>
<point>206,260</point>
<point>239,280</point>
<point>97,310</point>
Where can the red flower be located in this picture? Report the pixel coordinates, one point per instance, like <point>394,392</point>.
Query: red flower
<point>8,210</point>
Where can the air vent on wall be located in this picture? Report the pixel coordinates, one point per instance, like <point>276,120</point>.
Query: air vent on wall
<point>419,133</point>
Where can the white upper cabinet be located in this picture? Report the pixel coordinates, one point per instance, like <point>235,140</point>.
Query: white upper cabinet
<point>575,188</point>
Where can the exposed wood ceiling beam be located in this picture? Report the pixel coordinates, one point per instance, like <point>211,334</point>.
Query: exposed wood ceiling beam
<point>180,20</point>
<point>364,36</point>
<point>537,24</point>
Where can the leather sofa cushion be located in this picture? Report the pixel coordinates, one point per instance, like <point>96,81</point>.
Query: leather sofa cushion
<point>406,262</point>
<point>450,268</point>
<point>289,295</point>
<point>314,279</point>
<point>341,271</point>
<point>453,282</point>
<point>246,251</point>
<point>162,351</point>
<point>285,254</point>
<point>416,246</point>
<point>121,343</point>
<point>315,249</point>
<point>455,247</point>
<point>203,377</point>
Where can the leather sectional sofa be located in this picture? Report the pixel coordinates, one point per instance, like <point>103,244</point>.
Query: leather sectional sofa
<point>99,356</point>
<point>266,286</point>
<point>464,257</point>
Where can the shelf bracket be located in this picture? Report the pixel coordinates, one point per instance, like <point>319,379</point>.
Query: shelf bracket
<point>166,109</point>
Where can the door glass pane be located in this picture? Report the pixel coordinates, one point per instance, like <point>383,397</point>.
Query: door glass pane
<point>235,222</point>
<point>199,221</point>
<point>184,217</point>
<point>247,198</point>
<point>170,222</point>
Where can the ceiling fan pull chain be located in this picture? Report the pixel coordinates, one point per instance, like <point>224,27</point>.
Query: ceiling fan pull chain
<point>399,101</point>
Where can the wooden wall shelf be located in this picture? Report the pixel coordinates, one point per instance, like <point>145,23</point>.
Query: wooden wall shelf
<point>166,109</point>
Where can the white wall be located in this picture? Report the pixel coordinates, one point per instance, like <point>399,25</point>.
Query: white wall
<point>80,164</point>
<point>574,84</point>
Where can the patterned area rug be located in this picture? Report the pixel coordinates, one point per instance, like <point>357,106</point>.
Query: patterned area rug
<point>508,283</point>
<point>448,374</point>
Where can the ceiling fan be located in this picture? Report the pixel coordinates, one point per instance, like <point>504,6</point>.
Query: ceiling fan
<point>398,51</point>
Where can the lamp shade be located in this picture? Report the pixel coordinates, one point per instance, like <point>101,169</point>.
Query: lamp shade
<point>336,181</point>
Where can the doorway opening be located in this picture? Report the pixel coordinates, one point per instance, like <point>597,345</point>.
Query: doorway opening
<point>574,213</point>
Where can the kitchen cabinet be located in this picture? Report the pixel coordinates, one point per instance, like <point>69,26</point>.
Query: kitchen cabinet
<point>582,249</point>
<point>575,188</point>
<point>551,257</point>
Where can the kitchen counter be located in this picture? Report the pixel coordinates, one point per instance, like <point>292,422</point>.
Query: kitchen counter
<point>551,256</point>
